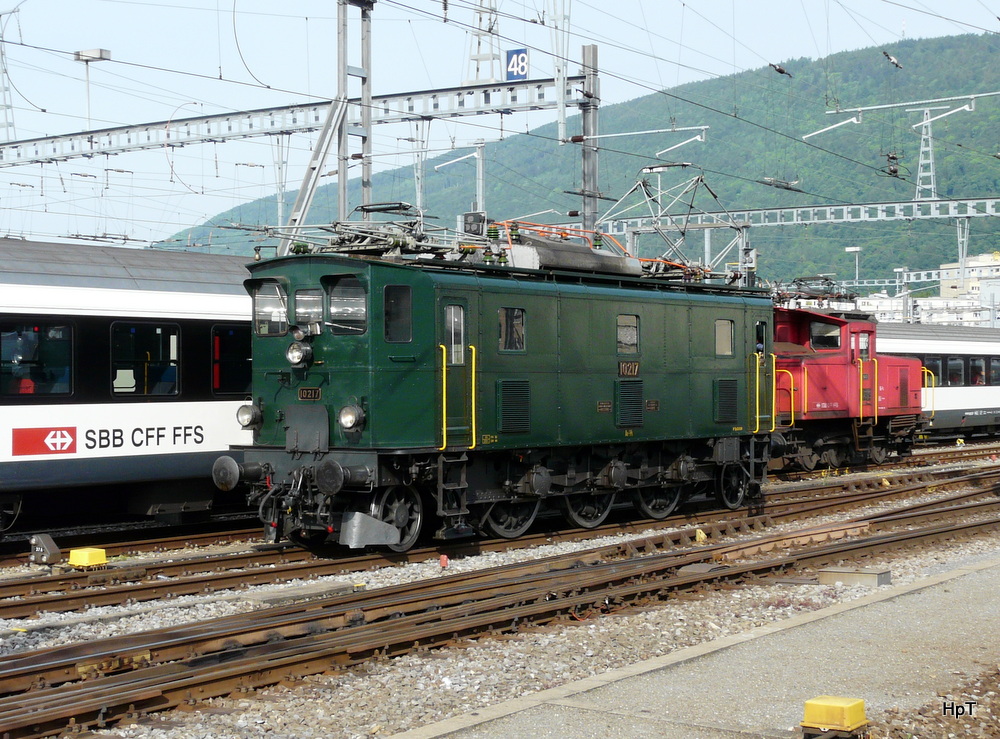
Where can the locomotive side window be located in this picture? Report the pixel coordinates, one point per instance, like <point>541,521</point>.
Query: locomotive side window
<point>824,335</point>
<point>864,346</point>
<point>956,371</point>
<point>144,358</point>
<point>628,334</point>
<point>760,335</point>
<point>348,305</point>
<point>230,360</point>
<point>723,338</point>
<point>308,307</point>
<point>35,359</point>
<point>398,314</point>
<point>270,310</point>
<point>512,329</point>
<point>454,324</point>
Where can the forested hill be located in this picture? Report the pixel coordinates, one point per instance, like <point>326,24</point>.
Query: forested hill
<point>757,119</point>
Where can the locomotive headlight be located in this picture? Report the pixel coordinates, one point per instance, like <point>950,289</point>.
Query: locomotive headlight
<point>351,418</point>
<point>249,416</point>
<point>298,354</point>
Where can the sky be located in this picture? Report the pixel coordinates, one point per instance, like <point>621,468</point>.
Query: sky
<point>181,58</point>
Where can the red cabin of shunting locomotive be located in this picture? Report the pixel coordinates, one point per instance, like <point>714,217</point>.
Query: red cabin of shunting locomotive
<point>837,400</point>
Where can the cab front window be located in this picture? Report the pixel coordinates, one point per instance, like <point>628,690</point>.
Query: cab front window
<point>270,310</point>
<point>348,305</point>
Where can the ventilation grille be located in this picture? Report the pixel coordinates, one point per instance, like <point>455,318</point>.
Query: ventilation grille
<point>904,388</point>
<point>628,403</point>
<point>513,406</point>
<point>725,396</point>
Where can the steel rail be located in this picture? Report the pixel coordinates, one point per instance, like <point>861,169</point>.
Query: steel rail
<point>597,588</point>
<point>27,597</point>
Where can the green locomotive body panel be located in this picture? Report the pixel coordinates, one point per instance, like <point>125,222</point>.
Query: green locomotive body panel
<point>558,359</point>
<point>388,387</point>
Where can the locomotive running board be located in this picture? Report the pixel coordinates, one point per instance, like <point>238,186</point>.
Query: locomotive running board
<point>361,530</point>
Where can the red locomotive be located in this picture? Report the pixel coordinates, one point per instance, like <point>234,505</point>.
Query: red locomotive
<point>837,401</point>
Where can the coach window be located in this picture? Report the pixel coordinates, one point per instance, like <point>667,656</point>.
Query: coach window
<point>628,334</point>
<point>933,365</point>
<point>35,358</point>
<point>398,301</point>
<point>230,360</point>
<point>994,376</point>
<point>144,358</point>
<point>511,329</point>
<point>270,309</point>
<point>348,305</point>
<point>824,335</point>
<point>956,371</point>
<point>723,338</point>
<point>308,307</point>
<point>977,370</point>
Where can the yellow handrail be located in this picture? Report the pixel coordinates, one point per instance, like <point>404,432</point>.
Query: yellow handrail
<point>444,397</point>
<point>933,388</point>
<point>791,396</point>
<point>774,391</point>
<point>805,389</point>
<point>756,393</point>
<point>861,390</point>
<point>875,389</point>
<point>472,349</point>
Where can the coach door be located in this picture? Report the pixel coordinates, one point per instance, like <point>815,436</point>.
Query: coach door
<point>458,367</point>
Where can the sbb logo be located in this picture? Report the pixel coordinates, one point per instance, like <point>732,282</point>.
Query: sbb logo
<point>44,441</point>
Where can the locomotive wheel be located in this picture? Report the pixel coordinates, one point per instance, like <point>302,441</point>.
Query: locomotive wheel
<point>509,519</point>
<point>587,511</point>
<point>731,486</point>
<point>808,462</point>
<point>656,502</point>
<point>400,506</point>
<point>878,453</point>
<point>836,456</point>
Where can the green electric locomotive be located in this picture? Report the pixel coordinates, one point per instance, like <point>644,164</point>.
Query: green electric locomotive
<point>400,380</point>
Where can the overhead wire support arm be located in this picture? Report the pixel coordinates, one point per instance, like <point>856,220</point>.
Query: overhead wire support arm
<point>338,109</point>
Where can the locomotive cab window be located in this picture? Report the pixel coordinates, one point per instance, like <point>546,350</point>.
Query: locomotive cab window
<point>861,343</point>
<point>760,336</point>
<point>308,308</point>
<point>398,300</point>
<point>511,329</point>
<point>824,335</point>
<point>270,309</point>
<point>628,334</point>
<point>348,304</point>
<point>723,338</point>
<point>35,359</point>
<point>144,358</point>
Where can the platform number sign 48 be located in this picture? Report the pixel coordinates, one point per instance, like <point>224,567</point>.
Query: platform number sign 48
<point>517,64</point>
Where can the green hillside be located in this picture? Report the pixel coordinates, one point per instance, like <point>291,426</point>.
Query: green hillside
<point>756,120</point>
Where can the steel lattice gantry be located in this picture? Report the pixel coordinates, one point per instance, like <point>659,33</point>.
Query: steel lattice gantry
<point>508,97</point>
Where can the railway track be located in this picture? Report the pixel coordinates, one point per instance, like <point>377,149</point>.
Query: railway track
<point>98,683</point>
<point>64,590</point>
